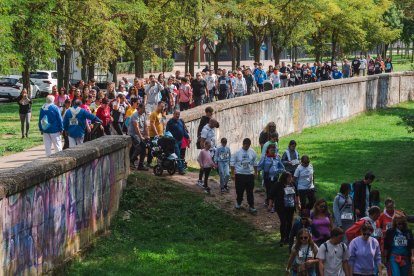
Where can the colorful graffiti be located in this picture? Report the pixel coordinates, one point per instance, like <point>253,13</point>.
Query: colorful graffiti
<point>47,223</point>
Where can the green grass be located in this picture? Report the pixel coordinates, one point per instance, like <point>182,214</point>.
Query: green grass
<point>10,135</point>
<point>172,231</point>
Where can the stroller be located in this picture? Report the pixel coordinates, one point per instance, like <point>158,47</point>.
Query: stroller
<point>164,150</point>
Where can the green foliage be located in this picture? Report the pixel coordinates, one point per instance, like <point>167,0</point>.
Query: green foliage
<point>167,65</point>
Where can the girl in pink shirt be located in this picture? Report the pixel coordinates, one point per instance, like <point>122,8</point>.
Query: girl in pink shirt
<point>185,94</point>
<point>206,164</point>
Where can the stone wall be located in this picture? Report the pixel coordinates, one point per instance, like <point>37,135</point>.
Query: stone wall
<point>53,207</point>
<point>296,108</point>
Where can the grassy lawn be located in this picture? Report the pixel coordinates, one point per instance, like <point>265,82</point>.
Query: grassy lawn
<point>10,135</point>
<point>173,232</point>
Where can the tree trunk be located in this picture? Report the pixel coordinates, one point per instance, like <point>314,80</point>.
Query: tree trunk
<point>84,68</point>
<point>26,78</point>
<point>238,54</point>
<point>333,49</point>
<point>186,58</point>
<point>215,61</point>
<point>60,63</point>
<point>276,53</point>
<point>91,70</point>
<point>230,45</point>
<point>68,58</point>
<point>112,69</point>
<point>256,44</point>
<point>139,65</point>
<point>191,62</point>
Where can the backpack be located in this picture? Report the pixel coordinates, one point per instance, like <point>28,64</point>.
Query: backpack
<point>44,122</point>
<point>326,248</point>
<point>355,230</point>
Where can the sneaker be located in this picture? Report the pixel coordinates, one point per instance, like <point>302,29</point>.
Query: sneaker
<point>150,166</point>
<point>252,210</point>
<point>237,206</point>
<point>200,183</point>
<point>226,188</point>
<point>223,190</point>
<point>206,189</point>
<point>273,210</point>
<point>182,173</point>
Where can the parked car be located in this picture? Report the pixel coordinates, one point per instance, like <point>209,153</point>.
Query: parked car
<point>45,80</point>
<point>11,86</point>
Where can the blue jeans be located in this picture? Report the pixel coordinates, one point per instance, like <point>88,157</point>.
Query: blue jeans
<point>398,270</point>
<point>180,162</point>
<point>223,168</point>
<point>311,272</point>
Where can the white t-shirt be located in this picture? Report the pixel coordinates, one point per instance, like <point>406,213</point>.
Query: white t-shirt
<point>363,64</point>
<point>275,78</point>
<point>244,161</point>
<point>211,81</point>
<point>304,176</point>
<point>333,258</point>
<point>209,134</point>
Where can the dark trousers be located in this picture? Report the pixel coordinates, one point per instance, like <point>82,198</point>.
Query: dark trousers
<point>206,173</point>
<point>65,141</point>
<point>307,198</point>
<point>286,218</point>
<point>107,129</point>
<point>150,157</point>
<point>184,106</point>
<point>268,184</point>
<point>260,87</point>
<point>245,182</point>
<point>200,100</point>
<point>138,148</point>
<point>118,127</point>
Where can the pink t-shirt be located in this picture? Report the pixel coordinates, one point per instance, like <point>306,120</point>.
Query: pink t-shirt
<point>204,159</point>
<point>184,93</point>
<point>60,100</point>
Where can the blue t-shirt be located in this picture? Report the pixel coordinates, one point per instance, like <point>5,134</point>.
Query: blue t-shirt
<point>336,75</point>
<point>400,244</point>
<point>224,83</point>
<point>260,76</point>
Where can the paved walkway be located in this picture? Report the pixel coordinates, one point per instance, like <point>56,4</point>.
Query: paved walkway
<point>19,159</point>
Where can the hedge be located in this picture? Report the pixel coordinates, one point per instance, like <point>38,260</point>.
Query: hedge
<point>149,66</point>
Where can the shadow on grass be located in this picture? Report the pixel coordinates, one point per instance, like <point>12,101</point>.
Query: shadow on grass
<point>174,232</point>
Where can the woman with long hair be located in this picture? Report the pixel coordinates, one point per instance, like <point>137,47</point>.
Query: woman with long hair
<point>302,260</point>
<point>265,134</point>
<point>25,111</point>
<point>343,208</point>
<point>399,247</point>
<point>321,219</point>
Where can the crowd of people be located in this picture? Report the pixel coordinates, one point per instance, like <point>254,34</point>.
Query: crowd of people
<point>355,239</point>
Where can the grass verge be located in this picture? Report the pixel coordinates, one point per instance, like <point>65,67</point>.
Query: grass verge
<point>10,134</point>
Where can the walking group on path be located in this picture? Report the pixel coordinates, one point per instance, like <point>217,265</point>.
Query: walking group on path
<point>355,239</point>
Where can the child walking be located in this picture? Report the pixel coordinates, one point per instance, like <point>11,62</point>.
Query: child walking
<point>206,164</point>
<point>222,159</point>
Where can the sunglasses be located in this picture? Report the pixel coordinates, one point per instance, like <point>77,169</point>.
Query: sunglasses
<point>367,234</point>
<point>304,238</point>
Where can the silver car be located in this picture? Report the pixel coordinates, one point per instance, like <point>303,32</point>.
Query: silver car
<point>11,86</point>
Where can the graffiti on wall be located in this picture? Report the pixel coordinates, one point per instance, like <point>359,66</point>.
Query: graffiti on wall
<point>54,219</point>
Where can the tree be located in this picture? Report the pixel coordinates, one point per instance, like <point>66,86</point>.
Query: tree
<point>32,39</point>
<point>8,58</point>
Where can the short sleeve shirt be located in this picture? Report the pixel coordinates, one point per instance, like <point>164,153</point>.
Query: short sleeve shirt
<point>141,120</point>
<point>304,176</point>
<point>155,118</point>
<point>333,258</point>
<point>209,134</point>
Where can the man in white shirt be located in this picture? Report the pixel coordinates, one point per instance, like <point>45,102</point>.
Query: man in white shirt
<point>362,66</point>
<point>244,170</point>
<point>211,79</point>
<point>152,94</point>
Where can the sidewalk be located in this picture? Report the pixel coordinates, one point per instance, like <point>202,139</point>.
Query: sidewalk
<point>19,159</point>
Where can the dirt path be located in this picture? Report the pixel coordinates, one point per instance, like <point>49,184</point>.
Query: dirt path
<point>263,220</point>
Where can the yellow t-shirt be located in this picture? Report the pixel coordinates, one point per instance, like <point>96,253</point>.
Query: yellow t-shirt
<point>129,112</point>
<point>155,118</point>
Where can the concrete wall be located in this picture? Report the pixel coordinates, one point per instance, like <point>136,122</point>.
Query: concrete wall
<point>296,108</point>
<point>53,207</point>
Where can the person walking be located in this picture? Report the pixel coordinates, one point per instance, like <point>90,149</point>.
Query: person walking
<point>74,123</point>
<point>364,253</point>
<point>302,260</point>
<point>222,159</point>
<point>223,85</point>
<point>240,86</point>
<point>290,157</point>
<point>119,107</point>
<point>333,255</point>
<point>342,208</point>
<point>51,125</point>
<point>244,170</point>
<point>178,130</point>
<point>321,219</point>
<point>200,91</point>
<point>260,76</point>
<point>305,184</point>
<point>152,94</point>
<point>204,120</point>
<point>362,200</point>
<point>138,130</point>
<point>211,80</point>
<point>266,132</point>
<point>206,164</point>
<point>104,114</point>
<point>283,199</point>
<point>185,95</point>
<point>399,248</point>
<point>156,128</point>
<point>272,167</point>
<point>25,112</point>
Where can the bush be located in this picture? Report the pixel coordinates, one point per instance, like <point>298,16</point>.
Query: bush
<point>150,66</point>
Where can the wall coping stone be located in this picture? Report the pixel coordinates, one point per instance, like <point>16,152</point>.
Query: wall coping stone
<point>196,113</point>
<point>38,171</point>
